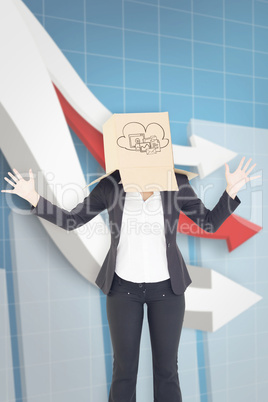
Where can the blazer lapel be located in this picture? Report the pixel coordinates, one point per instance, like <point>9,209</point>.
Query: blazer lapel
<point>165,195</point>
<point>119,208</point>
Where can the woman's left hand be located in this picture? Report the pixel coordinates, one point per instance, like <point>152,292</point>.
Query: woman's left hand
<point>237,179</point>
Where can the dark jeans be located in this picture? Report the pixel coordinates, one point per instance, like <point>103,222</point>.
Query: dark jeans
<point>165,311</point>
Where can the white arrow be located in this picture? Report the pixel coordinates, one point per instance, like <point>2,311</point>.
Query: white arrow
<point>34,134</point>
<point>63,75</point>
<point>204,154</point>
<point>213,300</point>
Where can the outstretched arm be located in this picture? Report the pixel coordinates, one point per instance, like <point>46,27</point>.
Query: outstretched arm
<point>82,213</point>
<point>211,220</point>
<point>206,219</point>
<point>91,206</point>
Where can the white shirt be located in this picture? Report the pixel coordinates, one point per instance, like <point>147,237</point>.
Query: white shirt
<point>141,251</point>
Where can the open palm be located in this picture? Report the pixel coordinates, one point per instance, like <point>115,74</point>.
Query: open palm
<point>237,179</point>
<point>21,187</point>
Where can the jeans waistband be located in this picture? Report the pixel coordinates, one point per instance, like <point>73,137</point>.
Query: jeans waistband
<point>161,284</point>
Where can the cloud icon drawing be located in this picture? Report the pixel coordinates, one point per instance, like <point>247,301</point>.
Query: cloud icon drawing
<point>138,138</point>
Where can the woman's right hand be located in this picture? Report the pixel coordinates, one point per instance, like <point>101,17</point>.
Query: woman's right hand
<point>23,188</point>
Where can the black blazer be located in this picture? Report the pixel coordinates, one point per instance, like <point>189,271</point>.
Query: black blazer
<point>109,194</point>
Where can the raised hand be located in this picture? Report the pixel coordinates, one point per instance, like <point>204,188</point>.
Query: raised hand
<point>237,179</point>
<point>23,188</point>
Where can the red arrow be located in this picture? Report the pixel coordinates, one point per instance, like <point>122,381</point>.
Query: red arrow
<point>235,230</point>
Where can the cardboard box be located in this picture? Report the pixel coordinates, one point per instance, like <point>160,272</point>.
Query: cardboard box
<point>139,146</point>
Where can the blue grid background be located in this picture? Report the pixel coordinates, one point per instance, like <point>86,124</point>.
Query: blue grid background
<point>195,59</point>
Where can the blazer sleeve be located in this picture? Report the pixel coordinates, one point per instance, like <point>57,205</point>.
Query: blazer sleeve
<point>86,210</point>
<point>206,219</point>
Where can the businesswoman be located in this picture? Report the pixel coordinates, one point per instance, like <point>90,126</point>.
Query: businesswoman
<point>143,265</point>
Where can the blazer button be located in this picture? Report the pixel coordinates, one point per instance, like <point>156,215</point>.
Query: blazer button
<point>168,244</point>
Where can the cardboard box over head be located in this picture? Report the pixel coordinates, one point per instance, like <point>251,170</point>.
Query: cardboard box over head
<point>139,146</point>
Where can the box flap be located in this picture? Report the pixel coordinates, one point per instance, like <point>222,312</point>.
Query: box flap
<point>190,175</point>
<point>161,178</point>
<point>100,178</point>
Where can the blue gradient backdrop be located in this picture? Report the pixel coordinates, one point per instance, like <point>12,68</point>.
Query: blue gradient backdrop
<point>203,59</point>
